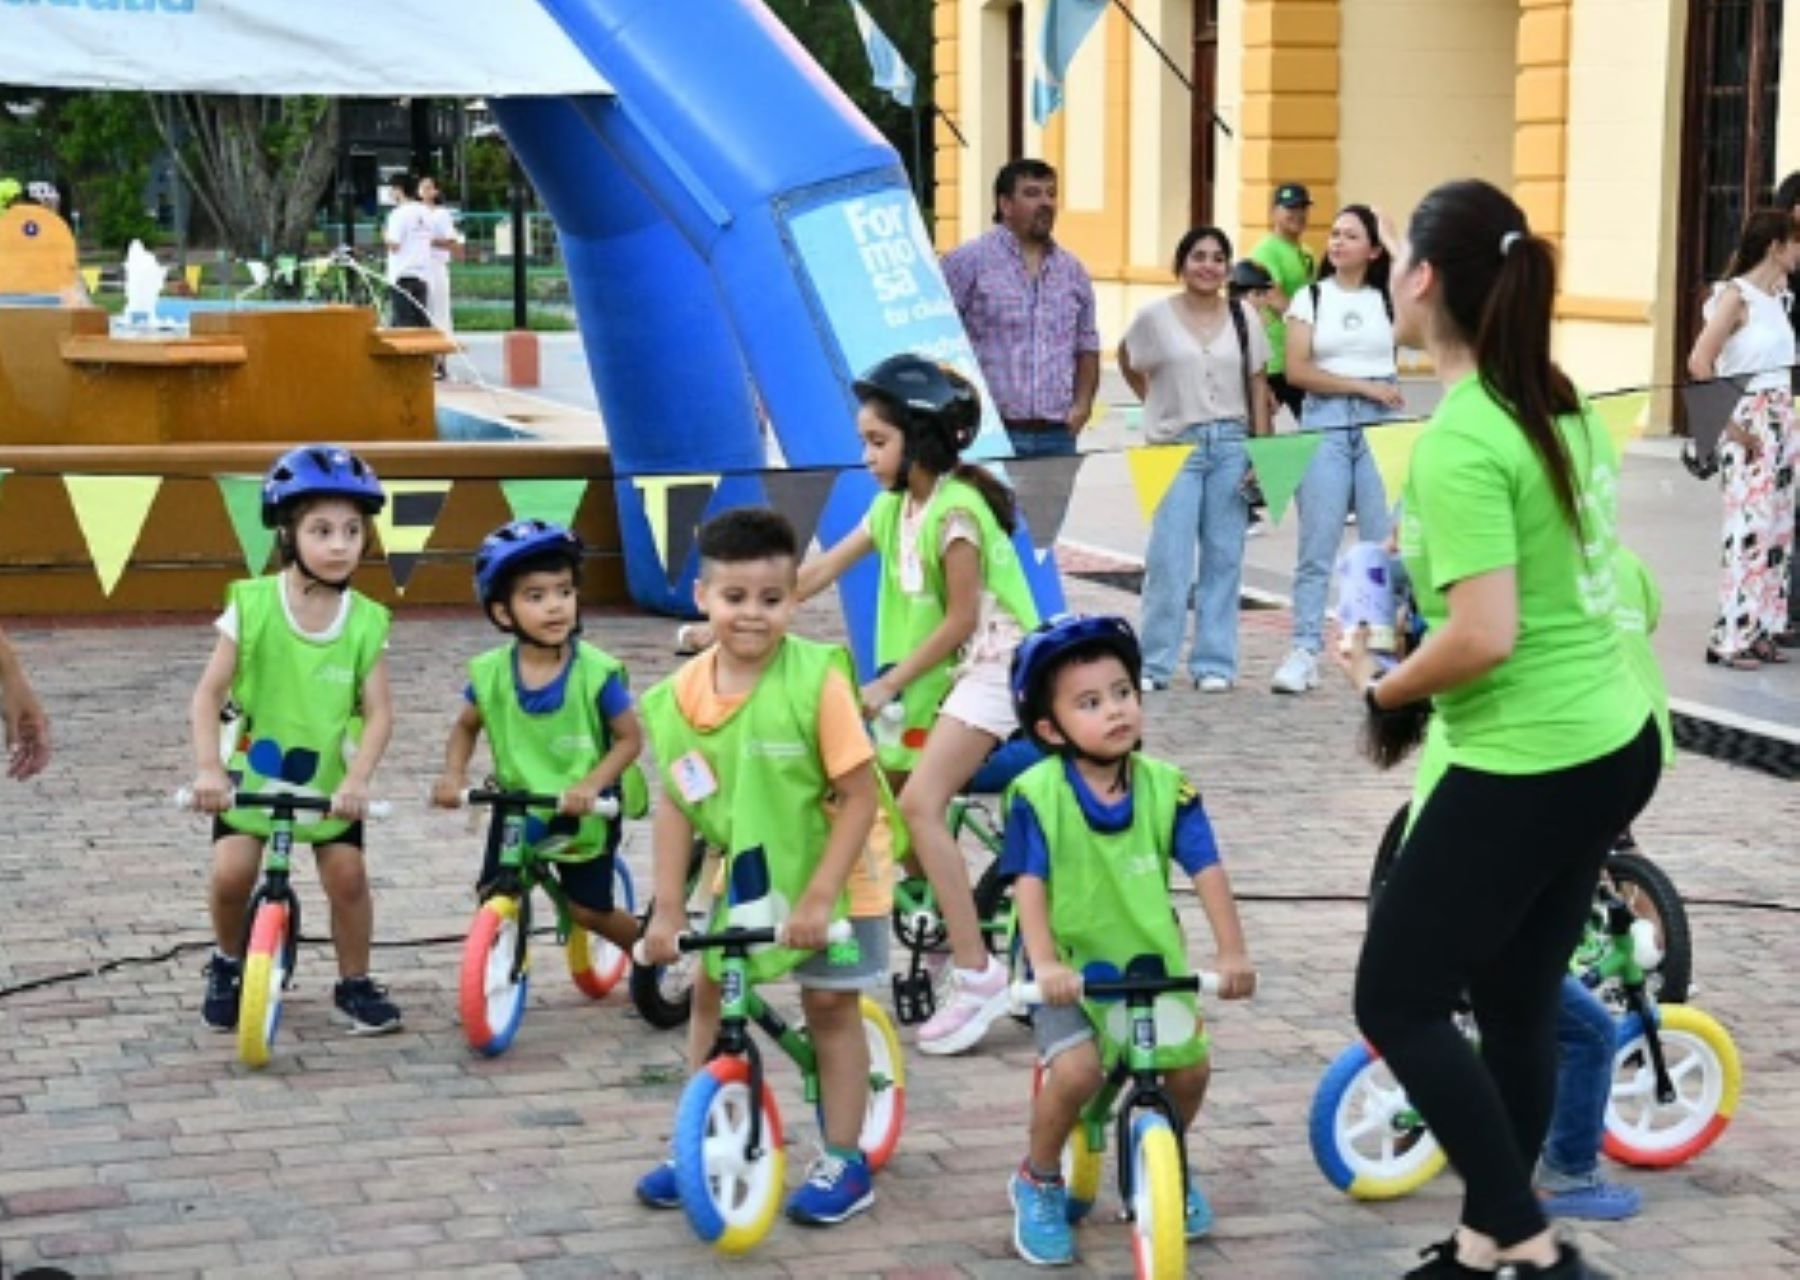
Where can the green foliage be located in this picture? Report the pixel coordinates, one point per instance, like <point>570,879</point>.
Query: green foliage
<point>97,147</point>
<point>490,170</point>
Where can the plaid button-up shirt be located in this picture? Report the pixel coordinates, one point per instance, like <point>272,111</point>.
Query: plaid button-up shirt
<point>1027,333</point>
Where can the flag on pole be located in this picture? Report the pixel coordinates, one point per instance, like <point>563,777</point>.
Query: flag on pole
<point>887,69</point>
<point>1066,25</point>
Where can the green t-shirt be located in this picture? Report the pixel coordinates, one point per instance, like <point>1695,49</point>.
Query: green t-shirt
<point>1477,500</point>
<point>1292,266</point>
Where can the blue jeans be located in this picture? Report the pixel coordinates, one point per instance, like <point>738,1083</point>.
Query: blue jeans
<point>1340,479</point>
<point>1041,444</point>
<point>1204,513</point>
<point>1585,1033</point>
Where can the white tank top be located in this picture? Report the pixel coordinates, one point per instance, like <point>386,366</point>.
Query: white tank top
<point>1763,346</point>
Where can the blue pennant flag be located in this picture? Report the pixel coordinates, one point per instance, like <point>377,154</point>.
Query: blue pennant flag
<point>1066,25</point>
<point>887,69</point>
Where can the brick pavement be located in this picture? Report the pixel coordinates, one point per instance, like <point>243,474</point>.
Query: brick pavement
<point>131,1143</point>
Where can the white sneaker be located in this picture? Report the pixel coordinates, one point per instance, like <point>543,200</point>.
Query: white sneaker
<point>1150,684</point>
<point>1213,684</point>
<point>1298,674</point>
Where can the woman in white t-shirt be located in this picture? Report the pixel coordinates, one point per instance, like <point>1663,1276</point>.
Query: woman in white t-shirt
<point>1748,336</point>
<point>1197,361</point>
<point>1340,351</point>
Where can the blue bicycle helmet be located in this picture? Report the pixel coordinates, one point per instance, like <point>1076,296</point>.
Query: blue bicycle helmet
<point>939,410</point>
<point>512,545</point>
<point>319,471</point>
<point>1042,653</point>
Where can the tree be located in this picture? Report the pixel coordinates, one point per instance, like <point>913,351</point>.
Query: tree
<point>96,146</point>
<point>258,165</point>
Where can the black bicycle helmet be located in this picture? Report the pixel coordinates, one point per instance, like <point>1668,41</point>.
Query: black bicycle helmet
<point>937,410</point>
<point>1052,646</point>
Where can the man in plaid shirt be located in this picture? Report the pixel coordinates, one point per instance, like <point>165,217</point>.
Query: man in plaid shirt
<point>1029,308</point>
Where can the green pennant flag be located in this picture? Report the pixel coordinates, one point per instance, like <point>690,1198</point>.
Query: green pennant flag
<point>243,504</point>
<point>555,501</point>
<point>1281,463</point>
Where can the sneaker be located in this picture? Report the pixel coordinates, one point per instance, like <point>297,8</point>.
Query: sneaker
<point>1441,1264</point>
<point>1150,684</point>
<point>224,978</point>
<point>835,1189</point>
<point>1041,1233</point>
<point>366,1007</point>
<point>1298,674</point>
<point>1213,684</point>
<point>1199,1213</point>
<point>1598,1202</point>
<point>1569,1266</point>
<point>1257,526</point>
<point>964,1018</point>
<point>657,1189</point>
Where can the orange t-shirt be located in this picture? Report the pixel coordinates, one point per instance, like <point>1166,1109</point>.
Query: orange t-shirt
<point>844,746</point>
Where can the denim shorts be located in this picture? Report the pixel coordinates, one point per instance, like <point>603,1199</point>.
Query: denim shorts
<point>817,973</point>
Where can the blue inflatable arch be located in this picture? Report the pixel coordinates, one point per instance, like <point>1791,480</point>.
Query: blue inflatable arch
<point>740,241</point>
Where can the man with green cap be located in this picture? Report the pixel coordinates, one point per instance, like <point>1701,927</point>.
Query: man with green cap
<point>1292,267</point>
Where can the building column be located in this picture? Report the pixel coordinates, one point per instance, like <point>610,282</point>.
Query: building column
<point>947,172</point>
<point>1290,113</point>
<point>1541,115</point>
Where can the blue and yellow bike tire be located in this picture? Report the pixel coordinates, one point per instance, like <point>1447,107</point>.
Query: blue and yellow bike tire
<point>730,1208</point>
<point>1346,1167</point>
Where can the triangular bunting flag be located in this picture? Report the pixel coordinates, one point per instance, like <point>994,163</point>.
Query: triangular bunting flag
<point>90,276</point>
<point>1044,487</point>
<point>111,512</point>
<point>1281,463</point>
<point>192,271</point>
<point>1392,444</point>
<point>1708,406</point>
<point>673,505</point>
<point>1624,414</point>
<point>406,523</point>
<point>800,496</point>
<point>556,501</point>
<point>1153,470</point>
<point>243,504</point>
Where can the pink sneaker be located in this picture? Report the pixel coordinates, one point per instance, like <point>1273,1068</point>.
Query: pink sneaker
<point>970,1010</point>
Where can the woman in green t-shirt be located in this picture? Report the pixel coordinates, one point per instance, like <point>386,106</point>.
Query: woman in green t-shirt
<point>1509,537</point>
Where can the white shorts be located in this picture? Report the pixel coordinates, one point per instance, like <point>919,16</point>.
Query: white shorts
<point>982,699</point>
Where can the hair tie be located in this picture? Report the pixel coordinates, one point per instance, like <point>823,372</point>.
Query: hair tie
<point>1508,240</point>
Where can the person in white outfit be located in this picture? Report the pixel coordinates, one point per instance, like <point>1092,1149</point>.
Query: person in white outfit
<point>408,239</point>
<point>443,240</point>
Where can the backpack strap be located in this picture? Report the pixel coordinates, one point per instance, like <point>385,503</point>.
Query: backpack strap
<point>1243,336</point>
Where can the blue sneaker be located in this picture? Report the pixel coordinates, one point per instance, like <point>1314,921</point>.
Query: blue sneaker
<point>1599,1202</point>
<point>1041,1231</point>
<point>835,1189</point>
<point>1199,1212</point>
<point>657,1188</point>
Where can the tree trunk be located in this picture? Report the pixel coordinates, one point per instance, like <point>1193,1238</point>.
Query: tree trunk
<point>258,165</point>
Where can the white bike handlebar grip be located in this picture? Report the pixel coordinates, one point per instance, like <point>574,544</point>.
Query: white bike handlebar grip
<point>379,809</point>
<point>637,950</point>
<point>1209,982</point>
<point>1643,945</point>
<point>606,806</point>
<point>184,797</point>
<point>1027,993</point>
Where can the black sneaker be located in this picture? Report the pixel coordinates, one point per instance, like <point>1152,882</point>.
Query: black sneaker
<point>1441,1264</point>
<point>224,984</point>
<point>366,1007</point>
<point>1569,1266</point>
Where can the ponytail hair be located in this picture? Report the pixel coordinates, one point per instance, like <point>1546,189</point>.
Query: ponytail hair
<point>999,498</point>
<point>1499,287</point>
<point>1763,228</point>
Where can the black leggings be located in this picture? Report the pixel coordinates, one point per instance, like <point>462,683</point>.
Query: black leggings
<point>1488,898</point>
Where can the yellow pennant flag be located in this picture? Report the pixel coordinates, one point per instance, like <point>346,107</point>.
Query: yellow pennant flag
<point>674,507</point>
<point>111,512</point>
<point>192,272</point>
<point>1624,414</point>
<point>91,277</point>
<point>1153,469</point>
<point>1392,447</point>
<point>406,522</point>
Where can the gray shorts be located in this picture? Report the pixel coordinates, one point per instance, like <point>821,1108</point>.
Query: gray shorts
<point>1058,1028</point>
<point>870,971</point>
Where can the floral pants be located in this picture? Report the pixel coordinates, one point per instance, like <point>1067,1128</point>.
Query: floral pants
<point>1758,538</point>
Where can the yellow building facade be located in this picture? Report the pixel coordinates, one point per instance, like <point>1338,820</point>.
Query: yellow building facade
<point>1635,133</point>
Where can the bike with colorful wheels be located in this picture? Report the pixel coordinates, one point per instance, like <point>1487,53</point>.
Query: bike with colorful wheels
<point>1153,1174</point>
<point>664,993</point>
<point>729,1159</point>
<point>271,948</point>
<point>1676,1077</point>
<point>496,962</point>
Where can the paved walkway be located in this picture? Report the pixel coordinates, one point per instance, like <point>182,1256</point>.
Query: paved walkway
<point>132,1144</point>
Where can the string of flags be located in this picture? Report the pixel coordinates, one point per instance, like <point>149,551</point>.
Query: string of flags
<point>110,510</point>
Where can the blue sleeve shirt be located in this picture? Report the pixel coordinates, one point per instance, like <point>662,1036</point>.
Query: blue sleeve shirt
<point>1025,851</point>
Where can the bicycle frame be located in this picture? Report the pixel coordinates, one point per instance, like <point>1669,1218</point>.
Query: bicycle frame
<point>278,855</point>
<point>1621,959</point>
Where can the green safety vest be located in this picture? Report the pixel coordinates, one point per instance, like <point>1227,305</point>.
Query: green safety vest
<point>551,752</point>
<point>765,810</point>
<point>1110,912</point>
<point>903,620</point>
<point>300,701</point>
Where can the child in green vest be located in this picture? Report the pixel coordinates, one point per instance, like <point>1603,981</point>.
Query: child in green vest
<point>953,606</point>
<point>300,656</point>
<point>762,752</point>
<point>1093,835</point>
<point>557,712</point>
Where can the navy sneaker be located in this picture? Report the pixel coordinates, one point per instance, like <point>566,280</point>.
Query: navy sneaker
<point>657,1188</point>
<point>224,985</point>
<point>835,1189</point>
<point>366,1007</point>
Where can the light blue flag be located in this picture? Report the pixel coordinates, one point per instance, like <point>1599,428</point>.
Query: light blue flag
<point>887,69</point>
<point>1066,25</point>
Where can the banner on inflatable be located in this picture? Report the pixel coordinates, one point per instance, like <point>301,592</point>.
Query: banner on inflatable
<point>415,48</point>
